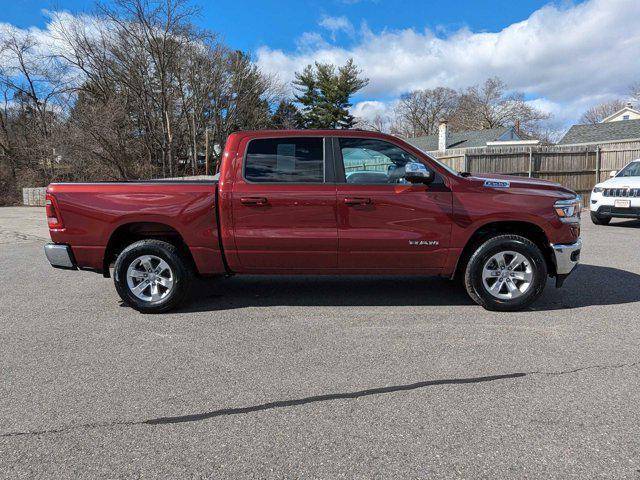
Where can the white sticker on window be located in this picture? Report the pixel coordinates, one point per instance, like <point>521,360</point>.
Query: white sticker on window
<point>286,157</point>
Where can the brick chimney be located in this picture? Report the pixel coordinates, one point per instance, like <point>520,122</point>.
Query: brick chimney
<point>443,135</point>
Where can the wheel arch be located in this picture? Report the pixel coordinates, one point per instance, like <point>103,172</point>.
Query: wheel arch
<point>131,232</point>
<point>525,229</point>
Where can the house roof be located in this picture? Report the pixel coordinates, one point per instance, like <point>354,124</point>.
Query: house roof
<point>602,132</point>
<point>467,138</point>
<point>628,108</point>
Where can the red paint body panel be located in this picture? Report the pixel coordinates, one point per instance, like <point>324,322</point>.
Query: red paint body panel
<point>378,234</point>
<point>92,212</point>
<point>308,228</point>
<point>295,229</point>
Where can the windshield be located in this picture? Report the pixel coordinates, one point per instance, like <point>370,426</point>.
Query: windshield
<point>631,170</point>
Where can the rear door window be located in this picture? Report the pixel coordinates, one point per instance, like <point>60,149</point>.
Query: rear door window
<point>285,160</point>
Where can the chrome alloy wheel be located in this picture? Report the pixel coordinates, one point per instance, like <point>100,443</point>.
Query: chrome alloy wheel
<point>507,275</point>
<point>150,278</point>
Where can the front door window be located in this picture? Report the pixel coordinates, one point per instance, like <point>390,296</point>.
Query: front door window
<point>371,161</point>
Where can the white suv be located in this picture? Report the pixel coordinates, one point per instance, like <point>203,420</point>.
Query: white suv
<point>617,197</point>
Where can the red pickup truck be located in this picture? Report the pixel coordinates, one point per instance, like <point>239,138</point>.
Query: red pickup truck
<point>319,202</point>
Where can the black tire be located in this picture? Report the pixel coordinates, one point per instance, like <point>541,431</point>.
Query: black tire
<point>515,243</point>
<point>181,275</point>
<point>599,219</point>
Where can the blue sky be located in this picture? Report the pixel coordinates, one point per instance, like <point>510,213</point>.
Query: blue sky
<point>250,24</point>
<point>565,55</point>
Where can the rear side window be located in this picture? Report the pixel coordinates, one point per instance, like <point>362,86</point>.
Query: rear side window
<point>285,160</point>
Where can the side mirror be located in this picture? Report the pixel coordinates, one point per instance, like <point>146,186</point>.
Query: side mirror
<point>613,173</point>
<point>417,173</point>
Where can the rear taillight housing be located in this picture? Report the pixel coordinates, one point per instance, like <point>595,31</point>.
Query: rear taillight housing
<point>53,213</point>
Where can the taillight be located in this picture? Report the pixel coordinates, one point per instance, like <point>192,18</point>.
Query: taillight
<point>53,213</point>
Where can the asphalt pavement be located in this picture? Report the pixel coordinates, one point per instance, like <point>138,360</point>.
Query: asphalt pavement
<point>306,377</point>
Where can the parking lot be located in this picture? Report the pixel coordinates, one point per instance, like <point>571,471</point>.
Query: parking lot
<point>319,377</point>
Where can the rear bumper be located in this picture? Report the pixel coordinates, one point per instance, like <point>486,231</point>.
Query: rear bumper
<point>567,257</point>
<point>60,256</point>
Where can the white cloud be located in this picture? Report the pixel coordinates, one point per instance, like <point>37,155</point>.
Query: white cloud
<point>49,41</point>
<point>569,56</point>
<point>310,41</point>
<point>336,24</point>
<point>372,109</point>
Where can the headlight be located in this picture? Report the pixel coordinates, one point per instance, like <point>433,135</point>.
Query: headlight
<point>568,210</point>
<point>597,189</point>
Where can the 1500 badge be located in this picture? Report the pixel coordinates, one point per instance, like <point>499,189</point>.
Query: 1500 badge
<point>428,243</point>
<point>497,184</point>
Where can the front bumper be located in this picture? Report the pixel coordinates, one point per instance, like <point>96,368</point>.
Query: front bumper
<point>606,206</point>
<point>609,211</point>
<point>566,257</point>
<point>60,256</point>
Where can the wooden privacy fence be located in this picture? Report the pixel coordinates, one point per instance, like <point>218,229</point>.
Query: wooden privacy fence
<point>578,167</point>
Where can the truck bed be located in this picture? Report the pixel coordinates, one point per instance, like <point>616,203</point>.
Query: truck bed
<point>95,215</point>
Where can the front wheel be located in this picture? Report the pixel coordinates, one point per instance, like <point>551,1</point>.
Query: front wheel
<point>152,276</point>
<point>506,273</point>
<point>599,219</point>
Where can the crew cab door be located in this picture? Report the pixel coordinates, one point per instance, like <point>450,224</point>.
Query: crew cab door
<point>384,222</point>
<point>284,206</point>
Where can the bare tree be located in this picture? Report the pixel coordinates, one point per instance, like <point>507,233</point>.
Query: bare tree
<point>379,123</point>
<point>634,92</point>
<point>5,138</point>
<point>179,87</point>
<point>134,91</point>
<point>34,93</point>
<point>597,113</point>
<point>419,112</point>
<point>493,106</point>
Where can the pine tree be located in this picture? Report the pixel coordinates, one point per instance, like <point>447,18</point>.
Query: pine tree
<point>305,83</point>
<point>287,116</point>
<point>325,94</point>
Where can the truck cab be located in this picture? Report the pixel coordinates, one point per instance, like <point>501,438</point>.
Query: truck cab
<point>317,204</point>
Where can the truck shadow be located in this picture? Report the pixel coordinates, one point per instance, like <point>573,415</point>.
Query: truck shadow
<point>625,223</point>
<point>591,285</point>
<point>324,291</point>
<point>588,285</point>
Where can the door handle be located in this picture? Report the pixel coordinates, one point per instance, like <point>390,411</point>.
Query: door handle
<point>357,201</point>
<point>258,201</point>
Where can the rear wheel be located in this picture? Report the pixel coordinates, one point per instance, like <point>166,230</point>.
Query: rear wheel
<point>506,273</point>
<point>152,276</point>
<point>599,219</point>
